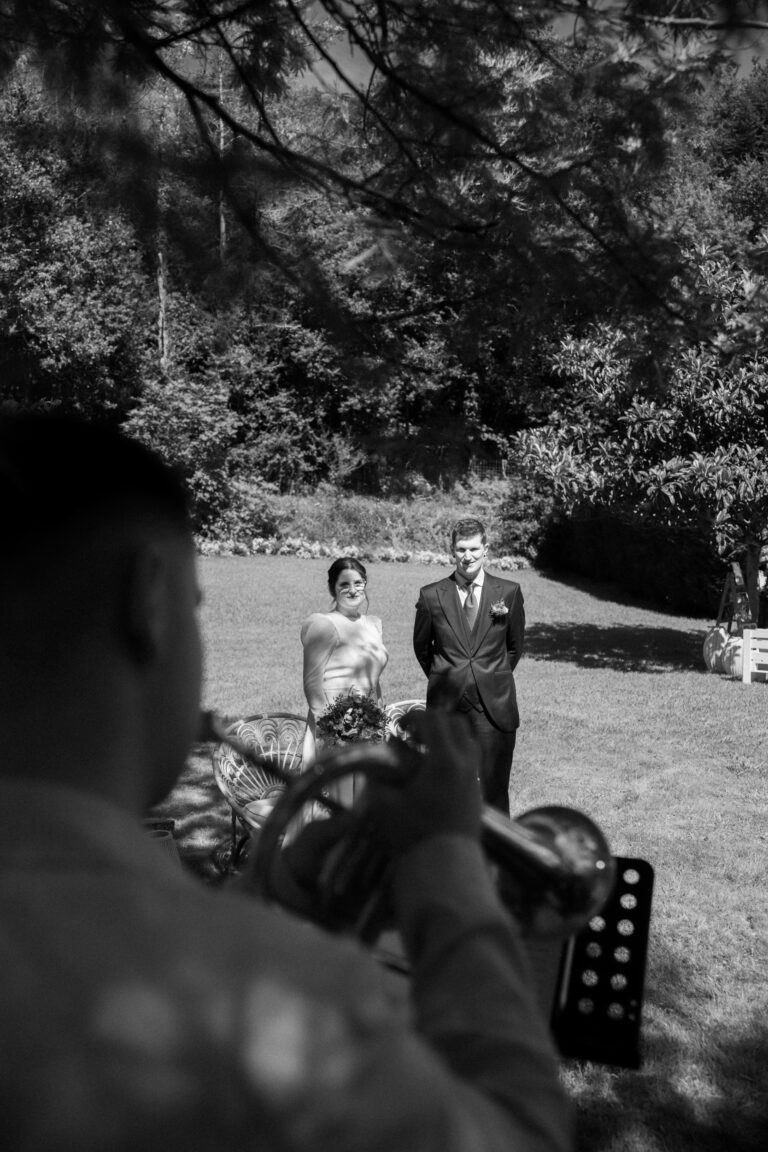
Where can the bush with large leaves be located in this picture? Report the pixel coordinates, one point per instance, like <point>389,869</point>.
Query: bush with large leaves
<point>683,448</point>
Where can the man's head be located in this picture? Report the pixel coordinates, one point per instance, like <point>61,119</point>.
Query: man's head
<point>469,547</point>
<point>98,632</point>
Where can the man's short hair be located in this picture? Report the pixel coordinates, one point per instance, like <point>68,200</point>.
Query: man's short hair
<point>59,474</point>
<point>467,527</point>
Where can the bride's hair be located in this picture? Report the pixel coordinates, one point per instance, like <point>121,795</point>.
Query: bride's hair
<point>338,567</point>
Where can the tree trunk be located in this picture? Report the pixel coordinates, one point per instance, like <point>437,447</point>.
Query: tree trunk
<point>162,309</point>
<point>222,142</point>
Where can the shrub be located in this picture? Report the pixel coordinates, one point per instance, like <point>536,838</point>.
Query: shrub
<point>398,524</point>
<point>393,529</point>
<point>313,549</point>
<point>525,513</point>
<point>253,511</point>
<point>188,422</point>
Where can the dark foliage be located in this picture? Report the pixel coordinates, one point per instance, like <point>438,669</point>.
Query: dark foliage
<point>680,569</point>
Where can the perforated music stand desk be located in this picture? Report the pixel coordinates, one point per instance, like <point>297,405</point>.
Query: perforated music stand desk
<point>594,982</point>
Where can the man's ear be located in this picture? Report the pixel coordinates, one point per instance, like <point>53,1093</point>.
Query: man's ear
<point>146,603</point>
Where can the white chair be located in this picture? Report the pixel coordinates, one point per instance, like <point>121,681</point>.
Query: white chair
<point>397,712</point>
<point>754,654</point>
<point>251,790</point>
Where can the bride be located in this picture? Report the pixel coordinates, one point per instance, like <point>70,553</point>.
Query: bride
<point>343,649</point>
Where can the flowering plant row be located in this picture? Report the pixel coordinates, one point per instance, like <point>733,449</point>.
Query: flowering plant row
<point>307,550</point>
<point>350,719</point>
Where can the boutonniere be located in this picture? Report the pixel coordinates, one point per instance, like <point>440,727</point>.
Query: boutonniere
<point>499,610</point>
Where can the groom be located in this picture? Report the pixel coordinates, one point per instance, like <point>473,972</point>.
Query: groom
<point>468,637</point>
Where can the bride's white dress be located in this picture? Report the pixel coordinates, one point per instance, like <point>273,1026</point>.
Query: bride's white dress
<point>340,654</point>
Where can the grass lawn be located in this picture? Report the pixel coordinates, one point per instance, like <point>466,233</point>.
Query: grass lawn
<point>621,719</point>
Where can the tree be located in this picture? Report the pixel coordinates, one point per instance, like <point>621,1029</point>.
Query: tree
<point>482,179</point>
<point>676,435</point>
<point>72,320</point>
<point>685,449</point>
<point>462,149</point>
<point>735,136</point>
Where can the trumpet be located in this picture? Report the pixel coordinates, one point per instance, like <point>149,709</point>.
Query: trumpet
<point>552,865</point>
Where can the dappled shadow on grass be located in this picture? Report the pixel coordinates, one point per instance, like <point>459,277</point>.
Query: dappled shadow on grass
<point>709,1098</point>
<point>619,647</point>
<point>201,814</point>
<point>732,1118</point>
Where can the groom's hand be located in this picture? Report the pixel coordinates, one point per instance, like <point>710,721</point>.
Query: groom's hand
<point>442,795</point>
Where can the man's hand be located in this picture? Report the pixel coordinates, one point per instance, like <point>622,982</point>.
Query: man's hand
<point>439,795</point>
<point>442,795</point>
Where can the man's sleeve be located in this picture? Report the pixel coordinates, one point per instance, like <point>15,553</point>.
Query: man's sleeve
<point>422,634</point>
<point>516,629</point>
<point>474,1001</point>
<point>345,1063</point>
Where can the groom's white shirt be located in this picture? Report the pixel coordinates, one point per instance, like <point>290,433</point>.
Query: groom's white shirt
<point>462,585</point>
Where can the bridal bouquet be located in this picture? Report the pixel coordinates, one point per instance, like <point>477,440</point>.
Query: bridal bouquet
<point>350,719</point>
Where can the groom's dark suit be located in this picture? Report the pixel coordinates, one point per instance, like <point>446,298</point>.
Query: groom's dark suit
<point>471,671</point>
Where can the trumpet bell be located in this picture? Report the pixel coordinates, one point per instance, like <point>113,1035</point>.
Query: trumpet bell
<point>554,869</point>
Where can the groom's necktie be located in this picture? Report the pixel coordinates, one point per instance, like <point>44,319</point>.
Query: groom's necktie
<point>470,605</point>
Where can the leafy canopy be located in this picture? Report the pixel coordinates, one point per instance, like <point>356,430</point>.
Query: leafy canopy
<point>482,123</point>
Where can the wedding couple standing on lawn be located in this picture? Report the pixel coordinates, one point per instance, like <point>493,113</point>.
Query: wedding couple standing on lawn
<point>467,637</point>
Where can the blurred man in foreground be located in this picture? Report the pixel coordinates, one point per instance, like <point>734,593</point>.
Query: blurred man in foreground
<point>142,1011</point>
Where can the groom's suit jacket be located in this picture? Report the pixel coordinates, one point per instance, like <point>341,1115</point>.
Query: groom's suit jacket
<point>454,658</point>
